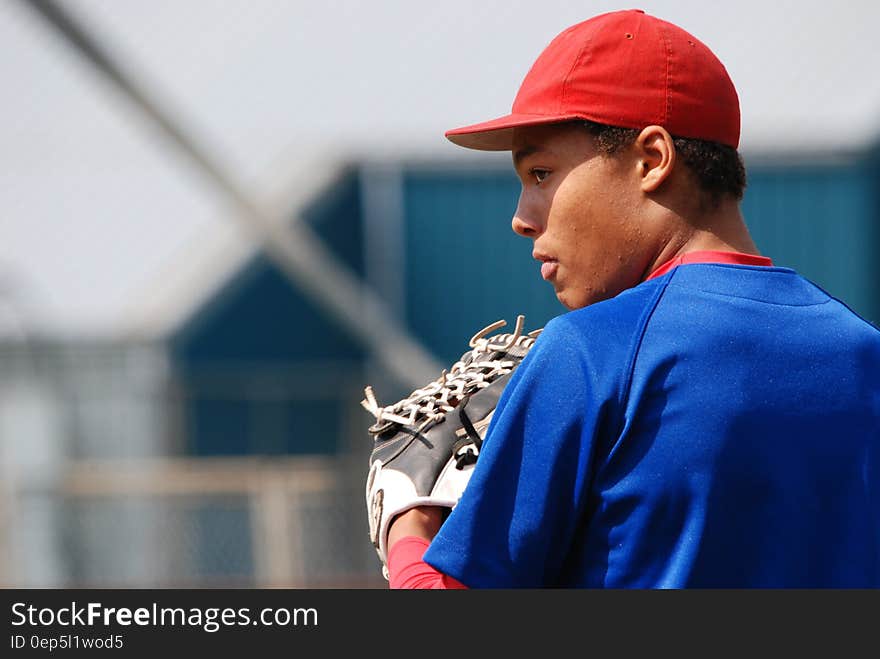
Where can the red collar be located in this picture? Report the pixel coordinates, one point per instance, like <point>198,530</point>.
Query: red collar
<point>710,256</point>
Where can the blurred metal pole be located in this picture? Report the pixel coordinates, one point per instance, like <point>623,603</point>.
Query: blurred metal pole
<point>298,251</point>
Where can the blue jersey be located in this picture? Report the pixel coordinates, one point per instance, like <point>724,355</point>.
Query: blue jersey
<point>718,426</point>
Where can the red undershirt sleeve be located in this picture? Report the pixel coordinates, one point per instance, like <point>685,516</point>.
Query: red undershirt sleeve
<point>407,570</point>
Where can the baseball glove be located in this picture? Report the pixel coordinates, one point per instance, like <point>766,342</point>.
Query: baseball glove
<point>426,445</point>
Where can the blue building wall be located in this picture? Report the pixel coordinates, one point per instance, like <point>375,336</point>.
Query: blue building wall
<point>242,358</point>
<point>463,268</point>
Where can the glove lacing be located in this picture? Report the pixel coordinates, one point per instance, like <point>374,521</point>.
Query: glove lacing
<point>476,369</point>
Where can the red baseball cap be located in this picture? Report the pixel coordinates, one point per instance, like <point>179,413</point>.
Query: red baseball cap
<point>626,69</point>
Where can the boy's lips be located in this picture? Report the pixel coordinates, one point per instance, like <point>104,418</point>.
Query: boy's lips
<point>549,265</point>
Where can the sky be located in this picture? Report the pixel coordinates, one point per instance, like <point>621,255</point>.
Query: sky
<point>102,222</point>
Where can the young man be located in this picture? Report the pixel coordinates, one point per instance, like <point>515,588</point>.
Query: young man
<point>700,418</point>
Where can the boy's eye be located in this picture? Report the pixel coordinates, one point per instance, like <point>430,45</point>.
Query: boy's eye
<point>539,174</point>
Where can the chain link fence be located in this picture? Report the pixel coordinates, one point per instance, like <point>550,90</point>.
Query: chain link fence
<point>200,523</point>
<point>97,491</point>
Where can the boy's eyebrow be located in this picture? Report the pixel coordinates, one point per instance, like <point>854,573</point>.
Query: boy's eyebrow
<point>525,152</point>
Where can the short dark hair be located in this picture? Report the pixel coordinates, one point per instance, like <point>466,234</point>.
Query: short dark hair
<point>717,168</point>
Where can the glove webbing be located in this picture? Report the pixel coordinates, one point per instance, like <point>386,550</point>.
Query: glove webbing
<point>476,370</point>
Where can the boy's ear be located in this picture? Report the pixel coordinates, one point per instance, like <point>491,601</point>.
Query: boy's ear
<point>655,155</point>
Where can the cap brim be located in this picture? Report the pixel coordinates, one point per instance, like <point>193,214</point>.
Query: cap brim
<point>497,134</point>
